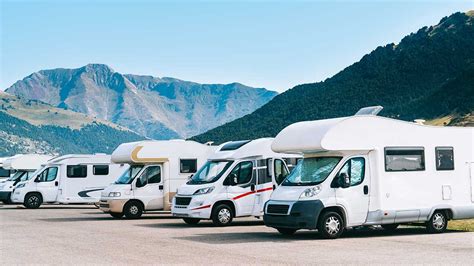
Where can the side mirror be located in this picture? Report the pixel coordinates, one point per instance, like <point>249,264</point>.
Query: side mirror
<point>233,180</point>
<point>344,180</point>
<point>37,179</point>
<point>139,183</point>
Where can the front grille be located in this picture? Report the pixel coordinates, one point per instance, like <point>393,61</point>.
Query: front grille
<point>183,201</point>
<point>103,205</point>
<point>277,209</point>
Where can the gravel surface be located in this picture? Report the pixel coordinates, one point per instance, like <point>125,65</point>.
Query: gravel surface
<point>84,235</point>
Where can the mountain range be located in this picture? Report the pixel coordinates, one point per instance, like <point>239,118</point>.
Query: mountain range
<point>158,108</point>
<point>428,74</point>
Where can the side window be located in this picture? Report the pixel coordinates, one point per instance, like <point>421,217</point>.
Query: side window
<point>4,172</point>
<point>49,174</point>
<point>355,169</point>
<point>100,169</point>
<point>444,158</point>
<point>188,166</point>
<point>76,171</point>
<point>243,171</point>
<point>280,171</point>
<point>151,175</point>
<point>404,159</point>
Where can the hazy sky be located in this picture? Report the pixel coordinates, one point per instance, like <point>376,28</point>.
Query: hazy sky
<point>275,45</point>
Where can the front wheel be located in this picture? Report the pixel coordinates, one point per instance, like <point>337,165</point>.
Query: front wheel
<point>437,223</point>
<point>133,210</point>
<point>331,225</point>
<point>222,215</point>
<point>33,201</point>
<point>191,221</point>
<point>286,231</point>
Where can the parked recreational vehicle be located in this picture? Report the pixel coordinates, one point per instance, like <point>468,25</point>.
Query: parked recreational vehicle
<point>157,168</point>
<point>236,181</point>
<point>370,170</point>
<point>75,178</point>
<point>24,166</point>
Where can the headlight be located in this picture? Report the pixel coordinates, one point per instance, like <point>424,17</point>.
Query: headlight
<point>310,192</point>
<point>115,194</point>
<point>204,191</point>
<point>20,186</point>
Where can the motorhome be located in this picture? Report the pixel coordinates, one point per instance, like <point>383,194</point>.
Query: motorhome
<point>236,181</point>
<point>23,166</point>
<point>4,173</point>
<point>74,178</point>
<point>370,170</point>
<point>157,169</point>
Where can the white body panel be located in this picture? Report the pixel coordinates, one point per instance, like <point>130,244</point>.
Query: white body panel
<point>392,196</point>
<point>165,155</point>
<point>61,187</point>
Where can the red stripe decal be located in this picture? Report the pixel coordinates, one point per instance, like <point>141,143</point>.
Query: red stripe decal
<point>202,207</point>
<point>252,192</point>
<point>264,189</point>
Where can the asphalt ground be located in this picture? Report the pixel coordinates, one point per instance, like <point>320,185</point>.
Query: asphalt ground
<point>64,234</point>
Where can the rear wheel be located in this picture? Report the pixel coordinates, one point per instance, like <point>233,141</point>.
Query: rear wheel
<point>437,223</point>
<point>330,225</point>
<point>222,215</point>
<point>389,227</point>
<point>286,231</point>
<point>116,215</point>
<point>33,201</point>
<point>133,210</point>
<point>191,220</point>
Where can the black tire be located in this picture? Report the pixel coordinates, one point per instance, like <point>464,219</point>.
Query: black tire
<point>389,227</point>
<point>133,210</point>
<point>222,215</point>
<point>191,221</point>
<point>33,201</point>
<point>437,223</point>
<point>330,225</point>
<point>116,215</point>
<point>286,231</point>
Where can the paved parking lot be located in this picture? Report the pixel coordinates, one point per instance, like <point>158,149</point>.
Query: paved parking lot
<point>82,234</point>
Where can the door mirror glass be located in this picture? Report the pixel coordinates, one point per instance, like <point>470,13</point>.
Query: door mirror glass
<point>344,180</point>
<point>233,179</point>
<point>37,179</point>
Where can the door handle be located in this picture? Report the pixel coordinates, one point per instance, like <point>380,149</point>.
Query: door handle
<point>366,190</point>
<point>252,187</point>
<point>160,187</point>
<point>274,187</point>
<point>56,183</point>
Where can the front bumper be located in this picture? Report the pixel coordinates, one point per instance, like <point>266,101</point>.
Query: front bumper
<point>197,208</point>
<point>5,195</point>
<point>112,205</point>
<point>301,215</point>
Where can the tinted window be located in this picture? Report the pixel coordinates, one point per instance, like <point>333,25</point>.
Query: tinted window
<point>76,171</point>
<point>243,171</point>
<point>48,174</point>
<point>355,169</point>
<point>404,159</point>
<point>4,172</point>
<point>234,145</point>
<point>100,169</point>
<point>151,175</point>
<point>188,165</point>
<point>444,158</point>
<point>280,171</point>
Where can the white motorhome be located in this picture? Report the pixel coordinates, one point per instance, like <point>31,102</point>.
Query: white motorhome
<point>74,178</point>
<point>370,170</point>
<point>236,181</point>
<point>24,166</point>
<point>157,169</point>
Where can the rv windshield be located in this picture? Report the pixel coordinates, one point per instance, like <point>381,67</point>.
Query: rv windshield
<point>210,172</point>
<point>20,175</point>
<point>128,176</point>
<point>311,171</point>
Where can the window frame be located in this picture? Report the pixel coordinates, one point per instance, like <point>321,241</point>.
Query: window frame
<point>252,172</point>
<point>436,157</point>
<point>100,165</point>
<point>76,165</point>
<point>143,171</point>
<point>336,177</point>
<point>188,159</point>
<point>405,148</point>
<point>47,174</point>
<point>284,166</point>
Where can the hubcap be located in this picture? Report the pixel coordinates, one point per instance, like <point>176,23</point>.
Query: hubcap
<point>333,225</point>
<point>438,221</point>
<point>224,216</point>
<point>133,209</point>
<point>33,200</point>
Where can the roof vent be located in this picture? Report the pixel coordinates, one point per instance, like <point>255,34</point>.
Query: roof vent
<point>371,110</point>
<point>209,143</point>
<point>419,121</point>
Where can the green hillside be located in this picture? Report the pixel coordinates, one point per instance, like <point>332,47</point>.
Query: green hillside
<point>429,74</point>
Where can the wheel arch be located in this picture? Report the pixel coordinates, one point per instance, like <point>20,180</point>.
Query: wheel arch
<point>339,209</point>
<point>230,203</point>
<point>134,200</point>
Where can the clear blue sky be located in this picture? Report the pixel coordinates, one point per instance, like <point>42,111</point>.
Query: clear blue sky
<point>275,45</point>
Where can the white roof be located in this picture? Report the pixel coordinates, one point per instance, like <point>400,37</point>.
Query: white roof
<point>260,148</point>
<point>83,158</point>
<point>26,161</point>
<point>363,132</point>
<point>157,151</point>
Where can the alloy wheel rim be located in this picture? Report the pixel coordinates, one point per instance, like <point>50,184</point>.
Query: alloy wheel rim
<point>33,200</point>
<point>438,221</point>
<point>333,225</point>
<point>133,210</point>
<point>224,216</point>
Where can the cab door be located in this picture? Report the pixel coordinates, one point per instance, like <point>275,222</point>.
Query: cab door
<point>149,187</point>
<point>355,198</point>
<point>47,183</point>
<point>243,192</point>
